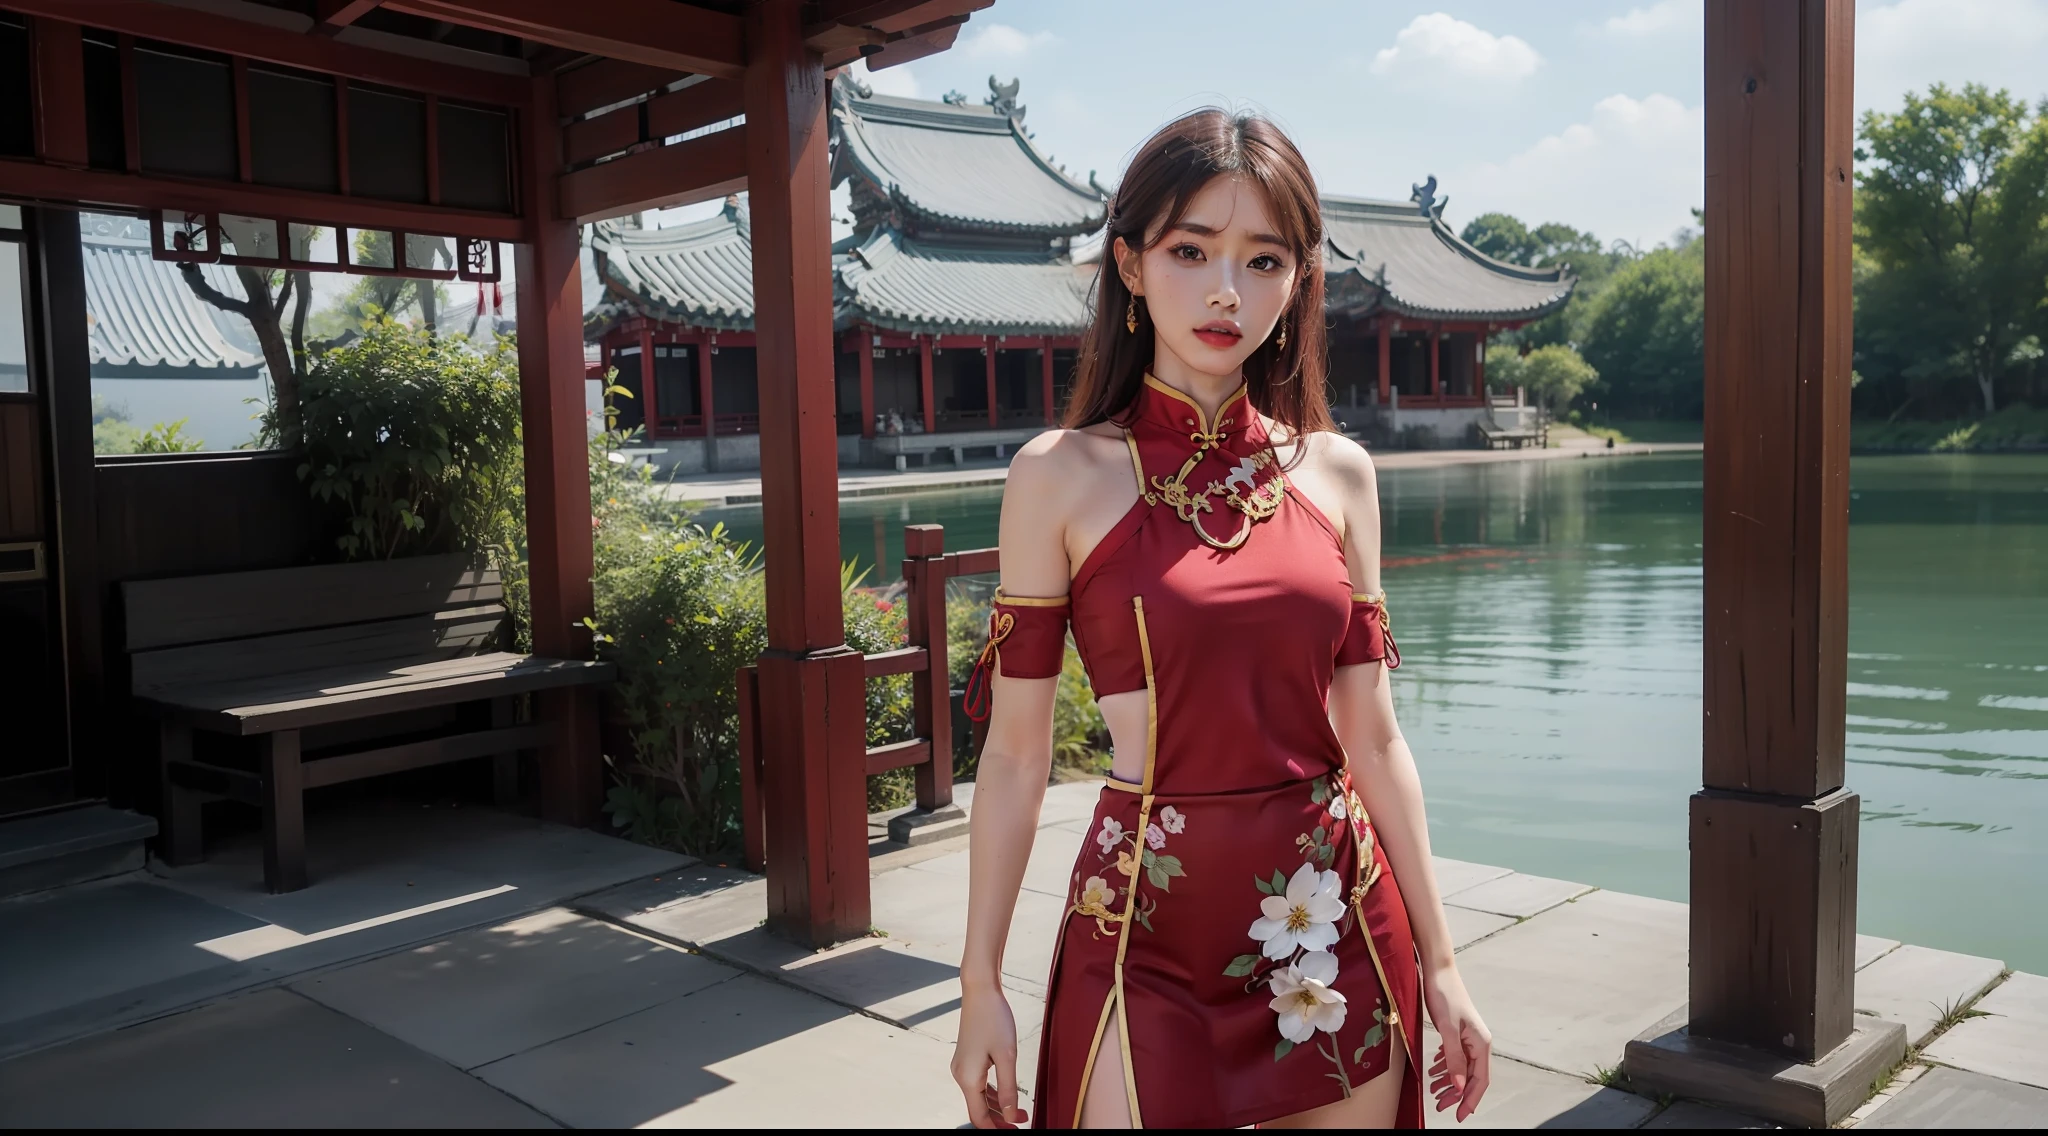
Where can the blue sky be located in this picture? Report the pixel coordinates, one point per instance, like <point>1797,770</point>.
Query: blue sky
<point>1587,113</point>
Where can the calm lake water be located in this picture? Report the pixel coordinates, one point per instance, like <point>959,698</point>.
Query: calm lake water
<point>1549,616</point>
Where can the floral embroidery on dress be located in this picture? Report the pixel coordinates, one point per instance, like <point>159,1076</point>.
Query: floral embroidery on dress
<point>1097,896</point>
<point>1303,915</point>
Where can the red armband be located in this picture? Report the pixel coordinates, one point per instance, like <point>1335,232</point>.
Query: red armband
<point>1027,638</point>
<point>1369,636</point>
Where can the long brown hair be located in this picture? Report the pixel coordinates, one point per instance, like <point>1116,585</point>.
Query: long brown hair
<point>1285,383</point>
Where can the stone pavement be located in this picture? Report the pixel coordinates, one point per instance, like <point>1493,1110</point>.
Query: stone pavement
<point>661,1001</point>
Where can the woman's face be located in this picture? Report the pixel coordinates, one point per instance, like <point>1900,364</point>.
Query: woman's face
<point>1216,283</point>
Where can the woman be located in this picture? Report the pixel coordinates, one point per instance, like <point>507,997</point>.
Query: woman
<point>1235,949</point>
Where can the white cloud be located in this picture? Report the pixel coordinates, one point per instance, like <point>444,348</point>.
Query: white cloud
<point>1911,44</point>
<point>1001,41</point>
<point>897,80</point>
<point>1632,170</point>
<point>1441,46</point>
<point>1658,18</point>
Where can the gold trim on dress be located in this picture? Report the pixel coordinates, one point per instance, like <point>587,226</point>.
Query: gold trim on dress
<point>1151,697</point>
<point>1003,597</point>
<point>1372,949</point>
<point>1088,1069</point>
<point>1201,416</point>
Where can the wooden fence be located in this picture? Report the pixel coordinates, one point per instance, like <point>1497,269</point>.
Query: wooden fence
<point>926,568</point>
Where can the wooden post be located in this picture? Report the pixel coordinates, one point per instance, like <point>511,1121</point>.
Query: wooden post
<point>704,395</point>
<point>812,687</point>
<point>1436,363</point>
<point>647,376</point>
<point>1386,365</point>
<point>988,353</point>
<point>924,563</point>
<point>924,383</point>
<point>1045,381</point>
<point>1479,366</point>
<point>551,411</point>
<point>866,339</point>
<point>1773,831</point>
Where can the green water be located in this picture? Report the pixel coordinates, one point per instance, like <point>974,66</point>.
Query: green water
<point>1549,613</point>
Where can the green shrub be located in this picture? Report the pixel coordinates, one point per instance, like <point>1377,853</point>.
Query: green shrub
<point>167,438</point>
<point>415,438</point>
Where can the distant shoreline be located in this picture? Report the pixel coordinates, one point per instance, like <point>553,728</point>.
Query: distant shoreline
<point>712,491</point>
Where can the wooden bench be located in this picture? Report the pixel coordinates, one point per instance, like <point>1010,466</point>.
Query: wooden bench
<point>335,672</point>
<point>1499,438</point>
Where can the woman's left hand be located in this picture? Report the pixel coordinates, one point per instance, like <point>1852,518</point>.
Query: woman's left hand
<point>1459,1074</point>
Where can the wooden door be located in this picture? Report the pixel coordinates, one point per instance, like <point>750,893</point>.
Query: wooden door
<point>34,749</point>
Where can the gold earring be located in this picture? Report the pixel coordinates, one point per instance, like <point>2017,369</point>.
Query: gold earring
<point>1131,316</point>
<point>1280,344</point>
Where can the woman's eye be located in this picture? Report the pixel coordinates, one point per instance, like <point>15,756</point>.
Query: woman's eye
<point>1265,262</point>
<point>1186,252</point>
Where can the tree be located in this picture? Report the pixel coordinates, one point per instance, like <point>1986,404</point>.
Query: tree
<point>265,312</point>
<point>1554,376</point>
<point>1551,245</point>
<point>1646,335</point>
<point>1950,215</point>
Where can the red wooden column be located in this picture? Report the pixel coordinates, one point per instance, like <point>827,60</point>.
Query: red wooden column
<point>866,354</point>
<point>924,383</point>
<point>813,687</point>
<point>1045,381</point>
<point>1386,365</point>
<point>1774,830</point>
<point>988,352</point>
<point>647,376</point>
<point>1479,364</point>
<point>1436,363</point>
<point>57,99</point>
<point>551,411</point>
<point>704,395</point>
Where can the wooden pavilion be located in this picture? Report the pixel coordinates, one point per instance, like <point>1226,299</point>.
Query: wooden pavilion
<point>479,121</point>
<point>958,305</point>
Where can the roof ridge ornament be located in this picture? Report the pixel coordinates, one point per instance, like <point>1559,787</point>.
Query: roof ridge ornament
<point>1426,200</point>
<point>1003,98</point>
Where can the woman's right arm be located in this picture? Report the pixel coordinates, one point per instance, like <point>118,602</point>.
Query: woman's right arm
<point>1016,761</point>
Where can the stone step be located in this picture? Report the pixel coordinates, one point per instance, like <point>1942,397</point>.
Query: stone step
<point>70,846</point>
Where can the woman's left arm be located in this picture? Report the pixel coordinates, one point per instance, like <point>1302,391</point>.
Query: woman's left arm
<point>1383,771</point>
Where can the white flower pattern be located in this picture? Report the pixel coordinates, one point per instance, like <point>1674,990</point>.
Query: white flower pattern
<point>1305,917</point>
<point>1112,834</point>
<point>1155,838</point>
<point>1305,997</point>
<point>1172,820</point>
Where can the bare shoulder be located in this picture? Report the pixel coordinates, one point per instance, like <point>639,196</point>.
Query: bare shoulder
<point>1345,460</point>
<point>1062,463</point>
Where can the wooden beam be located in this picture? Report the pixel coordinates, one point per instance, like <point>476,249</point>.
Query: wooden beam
<point>924,382</point>
<point>193,27</point>
<point>37,181</point>
<point>705,167</point>
<point>580,90</point>
<point>1774,832</point>
<point>866,356</point>
<point>659,33</point>
<point>664,116</point>
<point>893,15</point>
<point>330,16</point>
<point>551,412</point>
<point>917,45</point>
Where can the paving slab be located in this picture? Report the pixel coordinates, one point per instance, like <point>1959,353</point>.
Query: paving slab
<point>1518,895</point>
<point>744,1053</point>
<point>271,1059</point>
<point>482,995</point>
<point>1916,985</point>
<point>1693,1114</point>
<point>1568,989</point>
<point>2010,1041</point>
<point>1956,1098</point>
<point>1469,926</point>
<point>1049,871</point>
<point>1870,948</point>
<point>1523,1096</point>
<point>1454,876</point>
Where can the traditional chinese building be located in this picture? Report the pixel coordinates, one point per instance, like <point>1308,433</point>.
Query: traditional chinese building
<point>1412,307</point>
<point>958,303</point>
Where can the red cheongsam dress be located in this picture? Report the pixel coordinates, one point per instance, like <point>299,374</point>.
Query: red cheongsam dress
<point>1234,901</point>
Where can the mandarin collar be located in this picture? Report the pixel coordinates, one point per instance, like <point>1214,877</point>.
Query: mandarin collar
<point>1161,408</point>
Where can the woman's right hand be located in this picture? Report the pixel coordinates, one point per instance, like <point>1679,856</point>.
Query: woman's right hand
<point>988,1037</point>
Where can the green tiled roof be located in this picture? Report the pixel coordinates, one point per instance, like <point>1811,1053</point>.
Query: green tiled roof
<point>143,319</point>
<point>700,274</point>
<point>960,166</point>
<point>893,282</point>
<point>1418,267</point>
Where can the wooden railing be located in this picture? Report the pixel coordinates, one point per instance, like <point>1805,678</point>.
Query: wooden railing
<point>926,568</point>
